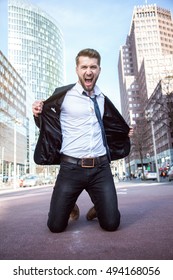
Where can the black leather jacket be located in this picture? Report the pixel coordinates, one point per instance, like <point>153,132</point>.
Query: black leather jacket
<point>48,146</point>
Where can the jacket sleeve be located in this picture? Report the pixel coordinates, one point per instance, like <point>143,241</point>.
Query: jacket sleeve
<point>116,130</point>
<point>37,121</point>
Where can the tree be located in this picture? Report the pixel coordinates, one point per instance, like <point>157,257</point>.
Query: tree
<point>139,140</point>
<point>163,98</point>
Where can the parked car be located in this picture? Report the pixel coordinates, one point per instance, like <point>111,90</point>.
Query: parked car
<point>31,180</point>
<point>170,175</point>
<point>48,180</point>
<point>149,175</point>
<point>11,180</point>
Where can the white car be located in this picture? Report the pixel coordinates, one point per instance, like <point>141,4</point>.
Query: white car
<point>31,180</point>
<point>149,175</point>
<point>48,180</point>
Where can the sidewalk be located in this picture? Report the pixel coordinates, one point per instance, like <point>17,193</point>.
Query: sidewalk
<point>119,184</point>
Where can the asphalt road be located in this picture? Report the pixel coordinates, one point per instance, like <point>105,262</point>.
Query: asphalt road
<point>145,233</point>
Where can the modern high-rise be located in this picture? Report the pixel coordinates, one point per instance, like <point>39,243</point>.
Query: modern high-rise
<point>35,49</point>
<point>145,58</point>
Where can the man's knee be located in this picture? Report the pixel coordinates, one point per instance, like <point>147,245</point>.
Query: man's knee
<point>56,228</point>
<point>111,225</point>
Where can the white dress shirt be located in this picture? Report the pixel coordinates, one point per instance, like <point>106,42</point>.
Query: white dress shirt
<point>81,131</point>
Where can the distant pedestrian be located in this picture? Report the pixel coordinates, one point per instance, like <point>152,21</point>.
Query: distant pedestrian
<point>163,174</point>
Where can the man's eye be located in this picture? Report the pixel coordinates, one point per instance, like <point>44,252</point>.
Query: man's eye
<point>94,67</point>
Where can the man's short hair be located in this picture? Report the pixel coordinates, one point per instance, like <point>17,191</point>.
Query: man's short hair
<point>91,53</point>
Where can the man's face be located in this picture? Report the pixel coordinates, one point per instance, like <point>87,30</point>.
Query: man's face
<point>88,72</point>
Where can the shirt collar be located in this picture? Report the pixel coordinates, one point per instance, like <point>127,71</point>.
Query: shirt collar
<point>80,89</point>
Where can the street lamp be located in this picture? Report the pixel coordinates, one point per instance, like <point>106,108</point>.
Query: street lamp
<point>14,171</point>
<point>16,122</point>
<point>155,152</point>
<point>150,119</point>
<point>2,163</point>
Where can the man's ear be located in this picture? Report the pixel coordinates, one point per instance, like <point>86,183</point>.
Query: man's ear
<point>76,70</point>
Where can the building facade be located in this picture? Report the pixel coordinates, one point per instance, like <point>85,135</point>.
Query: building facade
<point>13,121</point>
<point>36,50</point>
<point>145,59</point>
<point>160,109</point>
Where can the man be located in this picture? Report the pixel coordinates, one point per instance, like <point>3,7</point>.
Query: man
<point>71,134</point>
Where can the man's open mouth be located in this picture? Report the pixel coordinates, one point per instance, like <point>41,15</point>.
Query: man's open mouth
<point>88,81</point>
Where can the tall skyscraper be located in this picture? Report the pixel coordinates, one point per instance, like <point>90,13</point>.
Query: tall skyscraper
<point>35,49</point>
<point>145,59</point>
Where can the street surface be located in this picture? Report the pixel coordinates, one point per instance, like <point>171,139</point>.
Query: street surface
<point>145,233</point>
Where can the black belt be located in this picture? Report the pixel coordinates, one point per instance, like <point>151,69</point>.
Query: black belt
<point>84,162</point>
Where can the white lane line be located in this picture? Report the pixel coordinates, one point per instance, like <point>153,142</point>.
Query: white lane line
<point>21,196</point>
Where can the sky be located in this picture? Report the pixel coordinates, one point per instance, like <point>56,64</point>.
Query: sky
<point>99,24</point>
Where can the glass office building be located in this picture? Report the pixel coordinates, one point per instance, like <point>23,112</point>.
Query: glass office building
<point>35,49</point>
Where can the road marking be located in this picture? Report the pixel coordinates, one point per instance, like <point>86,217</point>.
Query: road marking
<point>26,195</point>
<point>122,191</point>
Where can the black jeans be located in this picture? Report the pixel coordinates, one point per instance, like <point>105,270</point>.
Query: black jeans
<point>71,181</point>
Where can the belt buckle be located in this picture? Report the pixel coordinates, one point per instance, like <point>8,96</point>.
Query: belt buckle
<point>85,160</point>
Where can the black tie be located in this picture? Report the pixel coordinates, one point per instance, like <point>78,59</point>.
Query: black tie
<point>98,115</point>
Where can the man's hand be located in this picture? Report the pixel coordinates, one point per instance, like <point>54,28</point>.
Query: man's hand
<point>37,107</point>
